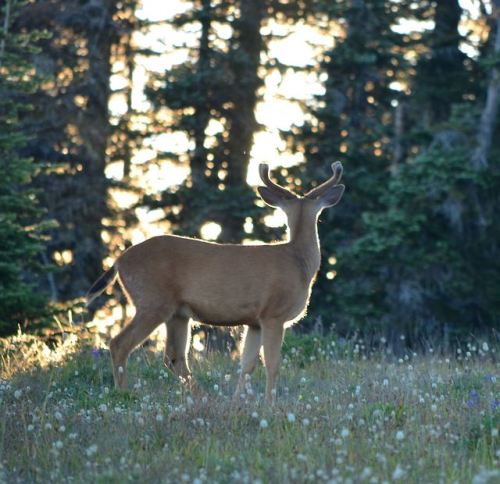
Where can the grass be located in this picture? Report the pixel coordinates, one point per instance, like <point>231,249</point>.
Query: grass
<point>344,414</point>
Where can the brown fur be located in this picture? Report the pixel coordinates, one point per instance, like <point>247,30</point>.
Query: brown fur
<point>173,279</point>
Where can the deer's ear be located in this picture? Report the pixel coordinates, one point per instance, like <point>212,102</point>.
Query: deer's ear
<point>331,196</point>
<point>271,197</point>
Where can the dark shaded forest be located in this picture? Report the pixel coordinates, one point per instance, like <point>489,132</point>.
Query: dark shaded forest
<point>116,124</point>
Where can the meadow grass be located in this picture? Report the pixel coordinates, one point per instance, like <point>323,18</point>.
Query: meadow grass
<point>343,414</point>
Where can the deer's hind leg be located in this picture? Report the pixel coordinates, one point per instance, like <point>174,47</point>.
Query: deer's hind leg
<point>135,332</point>
<point>177,346</point>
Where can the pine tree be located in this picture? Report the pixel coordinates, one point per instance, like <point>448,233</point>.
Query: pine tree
<point>427,256</point>
<point>212,99</point>
<point>71,131</point>
<point>126,132</point>
<point>354,121</point>
<point>22,303</point>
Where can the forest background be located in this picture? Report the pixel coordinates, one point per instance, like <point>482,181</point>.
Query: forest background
<point>125,119</point>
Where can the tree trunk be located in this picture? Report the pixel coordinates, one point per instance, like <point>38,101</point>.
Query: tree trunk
<point>95,131</point>
<point>6,22</point>
<point>490,110</point>
<point>247,46</point>
<point>398,152</point>
<point>201,105</point>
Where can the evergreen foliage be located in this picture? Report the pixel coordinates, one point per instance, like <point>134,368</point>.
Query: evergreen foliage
<point>427,269</point>
<point>212,98</point>
<point>71,131</point>
<point>414,243</point>
<point>353,122</point>
<point>22,302</point>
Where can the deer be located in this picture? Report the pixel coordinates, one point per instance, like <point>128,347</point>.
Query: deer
<point>265,288</point>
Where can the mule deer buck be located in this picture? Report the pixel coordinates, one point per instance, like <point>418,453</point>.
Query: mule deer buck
<point>172,279</point>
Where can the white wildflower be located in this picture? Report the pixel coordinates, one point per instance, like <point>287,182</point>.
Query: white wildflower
<point>90,451</point>
<point>400,435</point>
<point>306,422</point>
<point>344,433</point>
<point>103,407</point>
<point>486,476</point>
<point>398,473</point>
<point>264,424</point>
<point>159,418</point>
<point>17,394</point>
<point>58,444</point>
<point>255,415</point>
<point>291,417</point>
<point>367,472</point>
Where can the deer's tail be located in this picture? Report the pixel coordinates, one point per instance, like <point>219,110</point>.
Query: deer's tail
<point>108,278</point>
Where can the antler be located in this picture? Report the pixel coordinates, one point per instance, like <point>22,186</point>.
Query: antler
<point>334,180</point>
<point>264,175</point>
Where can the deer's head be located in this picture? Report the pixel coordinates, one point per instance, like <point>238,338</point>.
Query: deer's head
<point>310,205</point>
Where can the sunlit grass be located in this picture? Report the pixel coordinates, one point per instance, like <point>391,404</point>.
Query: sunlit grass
<point>344,414</point>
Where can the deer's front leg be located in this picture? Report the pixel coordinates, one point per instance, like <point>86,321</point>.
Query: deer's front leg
<point>272,337</point>
<point>177,346</point>
<point>251,345</point>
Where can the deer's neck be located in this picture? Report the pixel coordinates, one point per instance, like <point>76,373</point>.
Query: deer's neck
<point>304,242</point>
